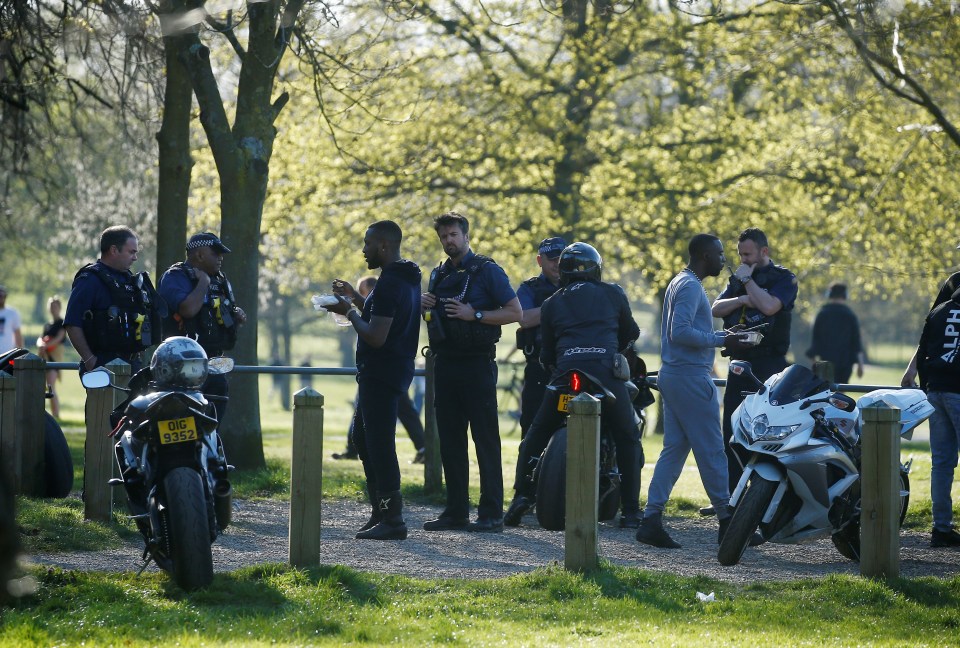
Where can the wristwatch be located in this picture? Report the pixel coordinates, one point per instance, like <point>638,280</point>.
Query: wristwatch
<point>478,315</point>
<point>746,280</point>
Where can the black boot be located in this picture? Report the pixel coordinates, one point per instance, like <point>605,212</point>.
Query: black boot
<point>375,514</point>
<point>391,526</point>
<point>651,532</point>
<point>518,508</point>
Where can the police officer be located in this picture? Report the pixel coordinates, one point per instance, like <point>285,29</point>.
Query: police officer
<point>532,293</point>
<point>469,298</point>
<point>760,293</point>
<point>113,313</point>
<point>202,306</point>
<point>584,325</point>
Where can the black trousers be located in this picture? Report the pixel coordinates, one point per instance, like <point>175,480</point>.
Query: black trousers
<point>216,385</point>
<point>616,417</point>
<point>466,394</point>
<point>535,379</point>
<point>409,418</point>
<point>375,434</point>
<point>763,368</point>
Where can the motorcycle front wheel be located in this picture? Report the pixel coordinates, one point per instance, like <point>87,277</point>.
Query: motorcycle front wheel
<point>847,540</point>
<point>746,518</point>
<point>189,529</point>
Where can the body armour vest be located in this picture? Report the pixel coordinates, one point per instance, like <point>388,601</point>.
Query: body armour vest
<point>530,340</point>
<point>776,336</point>
<point>455,335</point>
<point>131,323</point>
<point>213,327</point>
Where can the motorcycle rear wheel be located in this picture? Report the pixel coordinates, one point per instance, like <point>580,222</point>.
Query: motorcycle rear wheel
<point>746,518</point>
<point>58,464</point>
<point>552,483</point>
<point>847,540</point>
<point>189,529</point>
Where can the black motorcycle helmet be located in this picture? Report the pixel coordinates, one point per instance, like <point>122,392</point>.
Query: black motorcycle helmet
<point>580,262</point>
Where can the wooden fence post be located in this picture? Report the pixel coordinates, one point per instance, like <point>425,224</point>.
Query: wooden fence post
<point>306,479</point>
<point>30,409</point>
<point>583,478</point>
<point>823,369</point>
<point>432,466</point>
<point>880,492</point>
<point>9,445</point>
<point>99,460</point>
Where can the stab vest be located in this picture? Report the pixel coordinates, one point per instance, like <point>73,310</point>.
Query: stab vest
<point>776,338</point>
<point>131,323</point>
<point>213,327</point>
<point>529,340</point>
<point>456,335</point>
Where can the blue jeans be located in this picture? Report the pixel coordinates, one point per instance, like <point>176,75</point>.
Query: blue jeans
<point>944,446</point>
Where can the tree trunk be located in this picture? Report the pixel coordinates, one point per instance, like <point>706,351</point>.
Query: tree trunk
<point>175,162</point>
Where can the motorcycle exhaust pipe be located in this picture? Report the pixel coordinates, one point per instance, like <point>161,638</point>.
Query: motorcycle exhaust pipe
<point>223,503</point>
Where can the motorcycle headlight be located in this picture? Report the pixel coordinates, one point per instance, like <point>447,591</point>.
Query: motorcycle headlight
<point>759,429</point>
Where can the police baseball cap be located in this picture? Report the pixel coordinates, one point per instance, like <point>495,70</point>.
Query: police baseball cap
<point>206,239</point>
<point>551,247</point>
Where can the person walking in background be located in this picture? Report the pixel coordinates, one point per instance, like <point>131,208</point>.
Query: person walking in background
<point>691,409</point>
<point>760,293</point>
<point>532,293</point>
<point>388,333</point>
<point>836,335</point>
<point>113,313</point>
<point>50,348</point>
<point>10,335</point>
<point>468,299</point>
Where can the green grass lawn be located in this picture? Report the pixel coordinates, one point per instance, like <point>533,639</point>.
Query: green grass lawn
<point>278,605</point>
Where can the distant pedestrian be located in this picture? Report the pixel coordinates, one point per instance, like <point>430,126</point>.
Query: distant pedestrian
<point>836,335</point>
<point>10,336</point>
<point>50,348</point>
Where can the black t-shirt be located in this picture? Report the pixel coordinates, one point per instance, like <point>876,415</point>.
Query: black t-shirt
<point>938,361</point>
<point>836,335</point>
<point>51,329</point>
<point>396,295</point>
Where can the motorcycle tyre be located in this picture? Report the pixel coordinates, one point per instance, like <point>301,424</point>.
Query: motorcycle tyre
<point>58,464</point>
<point>609,500</point>
<point>746,519</point>
<point>189,529</point>
<point>552,483</point>
<point>847,540</point>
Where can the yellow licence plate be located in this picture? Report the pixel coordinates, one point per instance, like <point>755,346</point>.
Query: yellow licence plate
<point>563,403</point>
<point>177,430</point>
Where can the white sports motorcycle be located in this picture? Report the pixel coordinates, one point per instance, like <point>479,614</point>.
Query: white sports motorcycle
<point>802,480</point>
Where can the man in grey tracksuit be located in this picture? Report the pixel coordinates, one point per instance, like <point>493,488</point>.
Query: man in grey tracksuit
<point>691,408</point>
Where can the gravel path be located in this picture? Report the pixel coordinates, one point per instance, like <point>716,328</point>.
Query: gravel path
<point>259,535</point>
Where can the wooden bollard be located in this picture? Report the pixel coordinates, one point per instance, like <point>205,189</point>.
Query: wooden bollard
<point>432,466</point>
<point>306,479</point>
<point>9,443</point>
<point>583,479</point>
<point>880,492</point>
<point>30,422</point>
<point>99,459</point>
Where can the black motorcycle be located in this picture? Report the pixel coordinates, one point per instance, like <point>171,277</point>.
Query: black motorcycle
<point>58,464</point>
<point>173,468</point>
<point>551,471</point>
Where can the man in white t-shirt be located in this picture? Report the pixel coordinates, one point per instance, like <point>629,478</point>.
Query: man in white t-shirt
<point>10,336</point>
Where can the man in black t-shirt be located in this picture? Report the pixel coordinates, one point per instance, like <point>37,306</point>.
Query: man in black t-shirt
<point>836,335</point>
<point>388,332</point>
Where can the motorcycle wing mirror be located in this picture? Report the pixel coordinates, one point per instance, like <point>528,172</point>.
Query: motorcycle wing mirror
<point>745,369</point>
<point>220,365</point>
<point>840,401</point>
<point>96,379</point>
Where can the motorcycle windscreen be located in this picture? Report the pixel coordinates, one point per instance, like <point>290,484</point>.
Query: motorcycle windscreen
<point>795,383</point>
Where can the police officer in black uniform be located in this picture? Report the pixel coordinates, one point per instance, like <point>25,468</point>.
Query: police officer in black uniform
<point>584,325</point>
<point>202,305</point>
<point>113,313</point>
<point>469,298</point>
<point>532,293</point>
<point>759,294</point>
